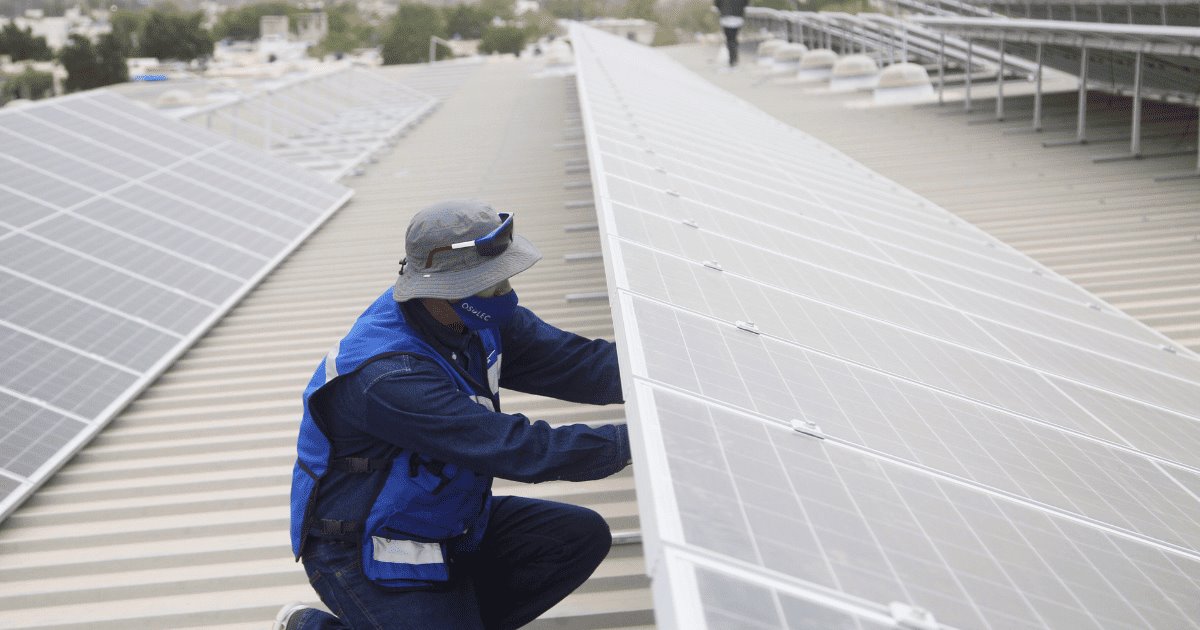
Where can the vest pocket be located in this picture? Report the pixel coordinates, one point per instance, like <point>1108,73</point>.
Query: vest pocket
<point>406,562</point>
<point>417,521</point>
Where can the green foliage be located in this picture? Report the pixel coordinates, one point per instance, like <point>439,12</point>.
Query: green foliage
<point>692,16</point>
<point>639,10</point>
<point>406,36</point>
<point>502,39</point>
<point>30,84</point>
<point>348,30</point>
<point>127,28</point>
<point>91,66</point>
<point>502,9</point>
<point>467,21</point>
<point>21,44</point>
<point>170,35</point>
<point>574,9</point>
<point>242,24</point>
<point>539,24</point>
<point>842,6</point>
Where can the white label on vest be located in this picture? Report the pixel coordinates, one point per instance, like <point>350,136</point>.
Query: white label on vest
<point>406,551</point>
<point>493,375</point>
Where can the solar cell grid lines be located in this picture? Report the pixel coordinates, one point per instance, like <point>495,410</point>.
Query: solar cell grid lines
<point>123,236</point>
<point>858,411</point>
<point>329,123</point>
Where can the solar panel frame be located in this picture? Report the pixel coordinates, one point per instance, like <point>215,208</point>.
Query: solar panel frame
<point>672,559</point>
<point>48,199</point>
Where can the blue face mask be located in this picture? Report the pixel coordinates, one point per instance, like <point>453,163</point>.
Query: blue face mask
<point>491,312</point>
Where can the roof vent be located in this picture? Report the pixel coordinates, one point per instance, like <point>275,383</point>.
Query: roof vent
<point>766,50</point>
<point>903,83</point>
<point>903,75</point>
<point>816,65</point>
<point>854,72</point>
<point>790,53</point>
<point>855,66</point>
<point>819,59</point>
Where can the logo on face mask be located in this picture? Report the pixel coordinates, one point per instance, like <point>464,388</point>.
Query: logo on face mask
<point>468,307</point>
<point>479,312</point>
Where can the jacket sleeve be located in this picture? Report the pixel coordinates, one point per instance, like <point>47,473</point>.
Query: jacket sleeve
<point>411,403</point>
<point>541,359</point>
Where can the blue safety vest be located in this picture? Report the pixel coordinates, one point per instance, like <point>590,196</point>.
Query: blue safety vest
<point>426,508</point>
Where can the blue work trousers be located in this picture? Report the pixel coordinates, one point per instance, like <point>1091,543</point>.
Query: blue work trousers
<point>533,554</point>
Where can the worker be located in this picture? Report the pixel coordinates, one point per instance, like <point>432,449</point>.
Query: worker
<point>733,17</point>
<point>402,434</point>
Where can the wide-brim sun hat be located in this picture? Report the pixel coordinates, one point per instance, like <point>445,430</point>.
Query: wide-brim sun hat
<point>456,273</point>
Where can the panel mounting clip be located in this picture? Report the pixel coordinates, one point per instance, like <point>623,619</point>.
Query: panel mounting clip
<point>691,223</point>
<point>673,193</point>
<point>808,427</point>
<point>747,326</point>
<point>912,617</point>
<point>712,264</point>
<point>1167,348</point>
<point>1094,306</point>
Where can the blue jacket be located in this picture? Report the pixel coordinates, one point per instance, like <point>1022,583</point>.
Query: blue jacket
<point>420,395</point>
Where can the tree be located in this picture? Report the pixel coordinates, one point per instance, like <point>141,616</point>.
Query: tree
<point>243,23</point>
<point>30,84</point>
<point>406,39</point>
<point>347,31</point>
<point>502,39</point>
<point>168,34</point>
<point>91,66</point>
<point>694,16</point>
<point>21,44</point>
<point>127,28</point>
<point>640,10</point>
<point>574,9</point>
<point>467,21</point>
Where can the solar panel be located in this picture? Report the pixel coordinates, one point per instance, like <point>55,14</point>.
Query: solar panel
<point>329,122</point>
<point>851,409</point>
<point>123,236</point>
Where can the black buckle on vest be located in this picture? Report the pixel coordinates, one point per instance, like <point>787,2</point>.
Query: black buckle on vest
<point>360,464</point>
<point>329,527</point>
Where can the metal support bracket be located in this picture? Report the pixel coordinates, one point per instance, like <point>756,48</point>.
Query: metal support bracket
<point>808,427</point>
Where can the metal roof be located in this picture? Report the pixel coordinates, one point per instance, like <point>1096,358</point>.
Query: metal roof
<point>1107,225</point>
<point>185,494</point>
<point>1181,41</point>
<point>176,516</point>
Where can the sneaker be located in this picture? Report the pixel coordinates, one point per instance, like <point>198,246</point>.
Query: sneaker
<point>288,617</point>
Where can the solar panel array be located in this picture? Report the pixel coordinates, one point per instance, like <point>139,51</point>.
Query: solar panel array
<point>852,410</point>
<point>329,123</point>
<point>123,236</point>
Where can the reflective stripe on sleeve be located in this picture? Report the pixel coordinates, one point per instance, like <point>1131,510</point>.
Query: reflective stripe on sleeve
<point>331,361</point>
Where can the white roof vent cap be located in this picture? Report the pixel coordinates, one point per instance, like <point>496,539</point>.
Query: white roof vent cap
<point>821,58</point>
<point>855,66</point>
<point>768,48</point>
<point>903,75</point>
<point>790,53</point>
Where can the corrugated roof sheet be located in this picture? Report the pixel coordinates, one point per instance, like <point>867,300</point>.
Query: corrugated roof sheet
<point>176,516</point>
<point>1108,226</point>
